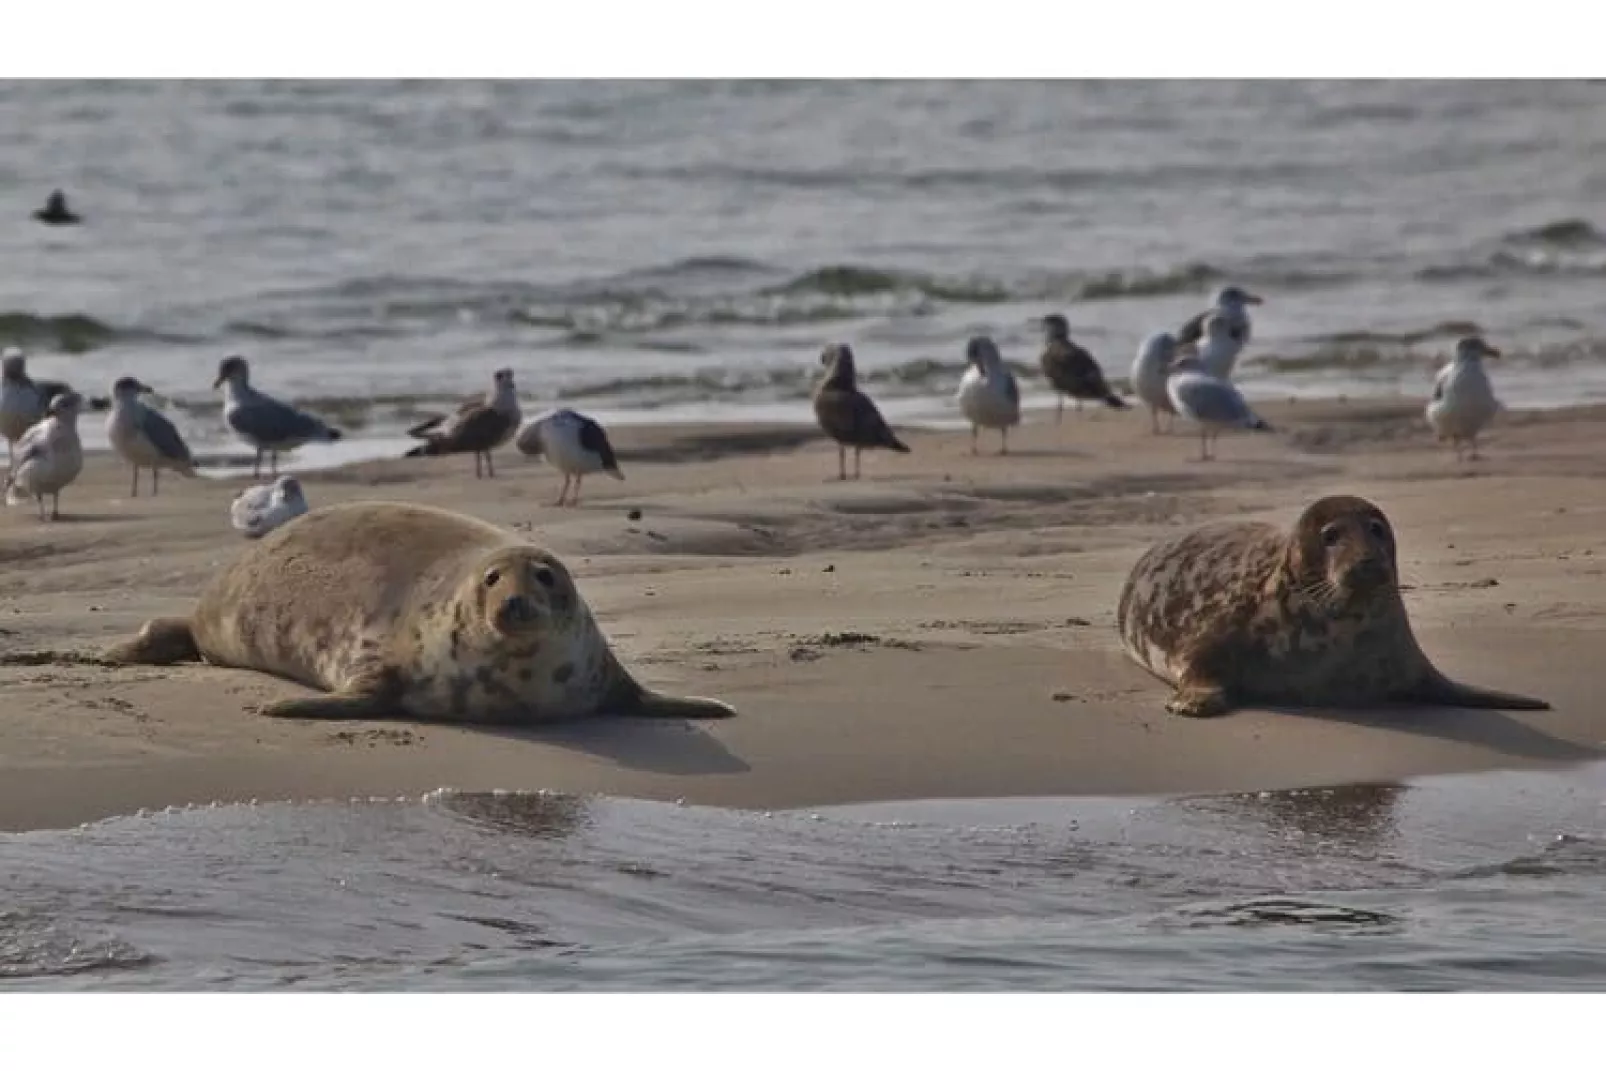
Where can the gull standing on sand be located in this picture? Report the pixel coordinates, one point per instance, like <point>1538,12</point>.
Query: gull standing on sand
<point>1071,370</point>
<point>479,426</point>
<point>1232,302</point>
<point>49,457</point>
<point>572,443</point>
<point>263,423</point>
<point>143,437</point>
<point>1463,399</point>
<point>1149,371</point>
<point>256,511</point>
<point>848,415</point>
<point>1212,403</point>
<point>988,394</point>
<point>23,401</point>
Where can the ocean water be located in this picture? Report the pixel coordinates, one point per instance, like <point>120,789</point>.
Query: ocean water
<point>682,250</point>
<point>1491,882</point>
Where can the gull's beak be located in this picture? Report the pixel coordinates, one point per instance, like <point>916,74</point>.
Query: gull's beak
<point>1490,351</point>
<point>145,388</point>
<point>1254,299</point>
<point>218,382</point>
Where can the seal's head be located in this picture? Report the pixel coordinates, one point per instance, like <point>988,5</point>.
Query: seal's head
<point>1342,550</point>
<point>1056,328</point>
<point>232,369</point>
<point>521,593</point>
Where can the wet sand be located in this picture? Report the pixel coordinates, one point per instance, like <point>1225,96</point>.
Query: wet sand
<point>944,628</point>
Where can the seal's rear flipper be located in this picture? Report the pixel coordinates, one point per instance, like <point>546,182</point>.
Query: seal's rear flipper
<point>161,642</point>
<point>653,705</point>
<point>1438,690</point>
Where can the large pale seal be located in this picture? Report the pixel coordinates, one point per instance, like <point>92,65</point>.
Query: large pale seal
<point>407,611</point>
<point>1245,612</point>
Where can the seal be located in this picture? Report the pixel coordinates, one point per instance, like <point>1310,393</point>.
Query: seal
<point>405,611</point>
<point>1245,612</point>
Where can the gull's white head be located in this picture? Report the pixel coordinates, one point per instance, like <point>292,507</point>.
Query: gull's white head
<point>232,369</point>
<point>127,388</point>
<point>1235,297</point>
<point>982,352</point>
<point>1472,348</point>
<point>66,405</point>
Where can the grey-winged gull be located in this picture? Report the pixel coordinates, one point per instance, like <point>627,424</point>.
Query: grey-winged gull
<point>1149,371</point>
<point>988,394</point>
<point>478,426</point>
<point>23,401</point>
<point>143,437</point>
<point>1071,370</point>
<point>1463,399</point>
<point>49,456</point>
<point>1212,403</point>
<point>572,443</point>
<point>1231,301</point>
<point>264,423</point>
<point>847,414</point>
<point>256,511</point>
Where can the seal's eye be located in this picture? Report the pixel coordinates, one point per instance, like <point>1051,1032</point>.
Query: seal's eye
<point>491,577</point>
<point>1378,528</point>
<point>1331,535</point>
<point>544,576</point>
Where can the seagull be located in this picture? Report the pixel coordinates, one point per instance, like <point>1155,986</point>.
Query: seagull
<point>1072,370</point>
<point>1218,348</point>
<point>1230,300</point>
<point>143,437</point>
<point>848,415</point>
<point>988,394</point>
<point>1463,400</point>
<point>1214,404</point>
<point>23,401</point>
<point>49,457</point>
<point>572,443</point>
<point>56,213</point>
<point>263,423</point>
<point>256,511</point>
<point>1149,371</point>
<point>478,426</point>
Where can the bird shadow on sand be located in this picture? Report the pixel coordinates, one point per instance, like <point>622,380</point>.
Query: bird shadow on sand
<point>653,745</point>
<point>1490,729</point>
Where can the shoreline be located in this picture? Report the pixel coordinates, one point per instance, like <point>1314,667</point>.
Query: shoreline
<point>942,629</point>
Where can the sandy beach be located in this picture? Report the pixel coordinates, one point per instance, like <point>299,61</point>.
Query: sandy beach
<point>944,628</point>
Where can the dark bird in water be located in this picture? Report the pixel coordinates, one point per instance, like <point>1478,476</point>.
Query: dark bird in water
<point>478,427</point>
<point>848,415</point>
<point>56,213</point>
<point>1071,370</point>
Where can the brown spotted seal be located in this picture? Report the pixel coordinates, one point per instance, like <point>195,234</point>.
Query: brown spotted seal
<point>399,610</point>
<point>1245,612</point>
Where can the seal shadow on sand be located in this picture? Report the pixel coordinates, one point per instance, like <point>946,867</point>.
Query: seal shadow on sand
<point>652,745</point>
<point>1490,729</point>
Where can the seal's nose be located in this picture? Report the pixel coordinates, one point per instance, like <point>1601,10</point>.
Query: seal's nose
<point>517,610</point>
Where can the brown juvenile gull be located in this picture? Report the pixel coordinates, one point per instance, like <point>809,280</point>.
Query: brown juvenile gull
<point>846,414</point>
<point>478,427</point>
<point>1071,370</point>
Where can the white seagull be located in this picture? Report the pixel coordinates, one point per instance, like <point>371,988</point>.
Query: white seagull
<point>263,423</point>
<point>1212,403</point>
<point>143,437</point>
<point>988,394</point>
<point>23,401</point>
<point>1231,302</point>
<point>1463,399</point>
<point>49,457</point>
<point>573,444</point>
<point>256,511</point>
<point>1149,371</point>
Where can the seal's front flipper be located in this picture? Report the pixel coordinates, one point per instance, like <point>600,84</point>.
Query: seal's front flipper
<point>653,705</point>
<point>1198,700</point>
<point>161,642</point>
<point>1439,691</point>
<point>336,706</point>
